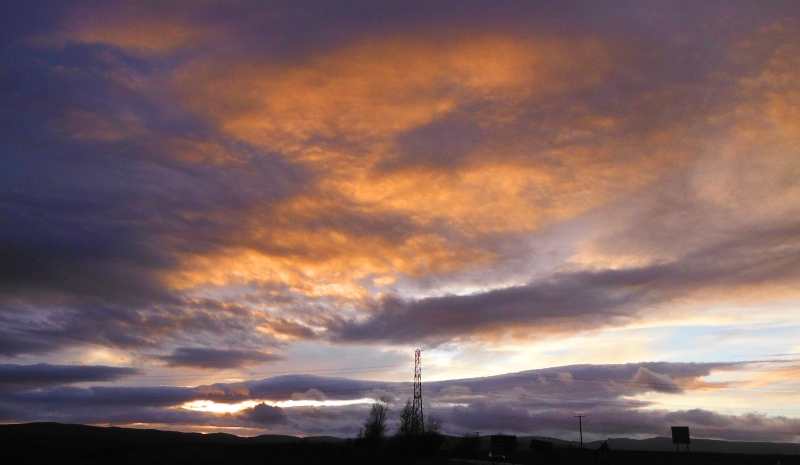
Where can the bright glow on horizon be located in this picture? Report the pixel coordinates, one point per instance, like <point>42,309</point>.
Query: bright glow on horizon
<point>213,407</point>
<point>217,407</point>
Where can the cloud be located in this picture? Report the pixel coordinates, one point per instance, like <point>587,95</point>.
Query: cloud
<point>570,301</point>
<point>85,272</point>
<point>142,31</point>
<point>18,342</point>
<point>455,390</point>
<point>199,357</point>
<point>45,375</point>
<point>655,381</point>
<point>583,386</point>
<point>284,387</point>
<point>581,300</point>
<point>263,414</point>
<point>434,173</point>
<point>565,377</point>
<point>515,402</point>
<point>311,394</point>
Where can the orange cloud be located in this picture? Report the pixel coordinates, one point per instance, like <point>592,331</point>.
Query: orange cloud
<point>377,209</point>
<point>340,114</point>
<point>144,30</point>
<point>376,90</point>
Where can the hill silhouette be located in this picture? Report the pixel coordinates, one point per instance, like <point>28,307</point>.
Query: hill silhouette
<point>49,430</point>
<point>50,443</point>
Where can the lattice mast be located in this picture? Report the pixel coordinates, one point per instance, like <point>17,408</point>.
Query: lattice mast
<point>418,392</point>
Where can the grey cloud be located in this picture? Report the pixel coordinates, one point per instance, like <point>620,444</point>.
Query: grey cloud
<point>283,387</point>
<point>90,226</point>
<point>601,424</point>
<point>31,328</point>
<point>456,390</point>
<point>570,301</point>
<point>156,406</point>
<point>594,383</point>
<point>442,144</point>
<point>747,427</point>
<point>482,415</point>
<point>122,414</point>
<point>44,375</point>
<point>199,357</point>
<point>579,300</point>
<point>530,402</point>
<point>72,397</point>
<point>23,342</point>
<point>97,405</point>
<point>311,394</point>
<point>655,381</point>
<point>264,414</point>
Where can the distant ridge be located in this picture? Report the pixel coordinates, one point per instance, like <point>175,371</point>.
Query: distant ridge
<point>48,430</point>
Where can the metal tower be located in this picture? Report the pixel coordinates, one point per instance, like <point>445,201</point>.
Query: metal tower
<point>418,392</point>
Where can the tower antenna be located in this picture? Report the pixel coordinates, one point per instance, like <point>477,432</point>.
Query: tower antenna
<point>418,392</point>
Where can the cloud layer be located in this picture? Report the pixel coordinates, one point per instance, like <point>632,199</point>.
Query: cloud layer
<point>537,402</point>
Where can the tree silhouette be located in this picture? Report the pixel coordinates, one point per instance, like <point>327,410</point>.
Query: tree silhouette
<point>433,426</point>
<point>410,424</point>
<point>414,437</point>
<point>374,429</point>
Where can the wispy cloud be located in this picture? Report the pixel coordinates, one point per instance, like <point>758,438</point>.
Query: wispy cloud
<point>42,375</point>
<point>201,357</point>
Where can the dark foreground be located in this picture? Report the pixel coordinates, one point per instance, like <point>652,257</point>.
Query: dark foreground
<point>76,444</point>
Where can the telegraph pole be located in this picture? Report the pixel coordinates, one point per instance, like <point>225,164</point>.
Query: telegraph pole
<point>580,426</point>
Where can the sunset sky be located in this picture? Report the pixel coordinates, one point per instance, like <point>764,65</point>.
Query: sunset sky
<point>245,216</point>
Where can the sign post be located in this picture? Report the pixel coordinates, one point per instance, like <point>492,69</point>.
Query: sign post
<point>680,435</point>
<point>503,446</point>
<point>540,450</point>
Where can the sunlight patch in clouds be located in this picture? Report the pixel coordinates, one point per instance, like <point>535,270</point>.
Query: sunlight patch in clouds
<point>217,407</point>
<point>214,407</point>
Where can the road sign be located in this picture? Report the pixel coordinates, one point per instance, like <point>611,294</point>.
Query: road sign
<point>680,435</point>
<point>503,444</point>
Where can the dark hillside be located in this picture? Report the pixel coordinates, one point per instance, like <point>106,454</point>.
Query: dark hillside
<point>53,443</point>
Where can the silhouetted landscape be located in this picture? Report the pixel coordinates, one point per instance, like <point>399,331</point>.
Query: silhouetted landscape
<point>79,444</point>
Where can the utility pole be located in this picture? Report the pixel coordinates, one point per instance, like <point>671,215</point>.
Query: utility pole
<point>580,426</point>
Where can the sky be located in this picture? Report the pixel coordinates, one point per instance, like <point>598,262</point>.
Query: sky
<point>246,216</point>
